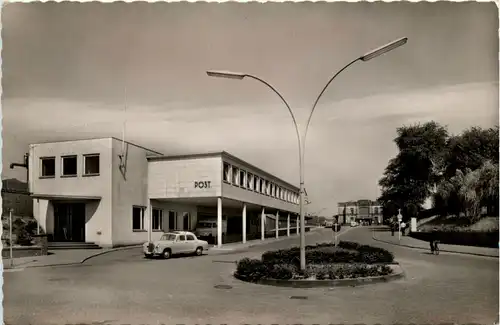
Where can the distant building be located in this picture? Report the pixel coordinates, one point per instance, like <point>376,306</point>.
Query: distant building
<point>361,210</point>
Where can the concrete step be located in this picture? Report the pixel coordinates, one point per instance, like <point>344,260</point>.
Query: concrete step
<point>70,245</point>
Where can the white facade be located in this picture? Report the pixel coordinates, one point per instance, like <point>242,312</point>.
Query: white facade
<point>135,194</point>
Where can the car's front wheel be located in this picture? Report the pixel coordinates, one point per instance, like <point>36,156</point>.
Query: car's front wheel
<point>167,253</point>
<point>199,251</point>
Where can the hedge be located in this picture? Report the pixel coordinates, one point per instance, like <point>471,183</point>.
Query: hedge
<point>465,238</point>
<point>253,270</point>
<point>328,253</point>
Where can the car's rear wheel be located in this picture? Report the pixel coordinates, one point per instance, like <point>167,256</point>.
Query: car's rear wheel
<point>167,253</point>
<point>199,251</point>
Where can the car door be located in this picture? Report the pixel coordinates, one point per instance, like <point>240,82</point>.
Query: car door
<point>181,244</point>
<point>190,243</point>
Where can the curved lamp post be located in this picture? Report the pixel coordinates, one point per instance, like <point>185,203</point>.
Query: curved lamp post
<point>301,139</point>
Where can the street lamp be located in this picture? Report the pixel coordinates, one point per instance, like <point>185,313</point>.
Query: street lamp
<point>301,139</point>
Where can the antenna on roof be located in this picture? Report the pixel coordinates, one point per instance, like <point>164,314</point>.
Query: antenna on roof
<point>122,154</point>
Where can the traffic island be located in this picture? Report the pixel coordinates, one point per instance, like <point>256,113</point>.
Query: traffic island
<point>328,265</point>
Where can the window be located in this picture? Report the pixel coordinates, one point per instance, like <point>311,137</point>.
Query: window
<point>236,177</point>
<point>250,181</point>
<point>182,238</point>
<point>157,219</point>
<point>243,180</point>
<point>227,172</point>
<point>138,218</point>
<point>272,189</point>
<point>375,210</point>
<point>91,165</point>
<point>172,216</point>
<point>69,166</point>
<point>189,237</point>
<point>261,186</point>
<point>48,167</point>
<point>256,183</point>
<point>266,187</point>
<point>352,210</point>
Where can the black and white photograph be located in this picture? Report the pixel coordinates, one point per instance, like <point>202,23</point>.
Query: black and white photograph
<point>250,162</point>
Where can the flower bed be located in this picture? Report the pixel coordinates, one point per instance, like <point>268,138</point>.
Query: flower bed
<point>324,261</point>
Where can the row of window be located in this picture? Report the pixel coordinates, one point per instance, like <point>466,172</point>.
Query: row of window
<point>241,178</point>
<point>139,223</point>
<point>375,210</point>
<point>69,166</point>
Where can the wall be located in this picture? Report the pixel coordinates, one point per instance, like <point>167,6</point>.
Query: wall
<point>71,186</point>
<point>179,208</point>
<point>98,212</point>
<point>129,189</point>
<point>176,178</point>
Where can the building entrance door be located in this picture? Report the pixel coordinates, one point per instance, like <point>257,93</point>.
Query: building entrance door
<point>69,222</point>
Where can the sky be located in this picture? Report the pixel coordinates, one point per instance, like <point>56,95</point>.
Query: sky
<point>66,68</point>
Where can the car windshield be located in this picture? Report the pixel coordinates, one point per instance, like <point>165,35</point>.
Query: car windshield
<point>168,237</point>
<point>205,225</point>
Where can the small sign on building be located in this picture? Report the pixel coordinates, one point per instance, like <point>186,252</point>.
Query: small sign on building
<point>202,184</point>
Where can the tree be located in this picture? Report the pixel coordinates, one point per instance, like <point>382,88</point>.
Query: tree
<point>471,149</point>
<point>410,176</point>
<point>468,192</point>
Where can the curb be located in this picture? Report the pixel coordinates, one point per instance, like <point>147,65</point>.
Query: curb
<point>109,251</point>
<point>73,263</point>
<point>427,249</point>
<point>328,283</point>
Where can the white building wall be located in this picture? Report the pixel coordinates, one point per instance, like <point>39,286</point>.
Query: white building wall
<point>182,178</point>
<point>129,189</point>
<point>244,194</point>
<point>79,186</point>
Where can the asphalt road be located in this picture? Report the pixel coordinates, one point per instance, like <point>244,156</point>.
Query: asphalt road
<point>125,288</point>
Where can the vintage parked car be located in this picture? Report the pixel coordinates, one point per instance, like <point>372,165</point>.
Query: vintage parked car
<point>174,243</point>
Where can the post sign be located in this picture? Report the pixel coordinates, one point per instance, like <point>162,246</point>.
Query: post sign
<point>202,184</point>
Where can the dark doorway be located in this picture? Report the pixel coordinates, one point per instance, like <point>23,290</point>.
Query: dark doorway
<point>185,219</point>
<point>69,222</point>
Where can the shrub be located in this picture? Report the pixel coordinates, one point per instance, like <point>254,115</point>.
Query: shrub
<point>348,245</point>
<point>327,253</point>
<point>282,272</point>
<point>252,269</point>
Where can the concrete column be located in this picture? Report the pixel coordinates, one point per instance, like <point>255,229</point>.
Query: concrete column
<point>263,224</point>
<point>277,223</point>
<point>219,222</point>
<point>298,225</point>
<point>149,212</point>
<point>244,217</point>
<point>288,226</point>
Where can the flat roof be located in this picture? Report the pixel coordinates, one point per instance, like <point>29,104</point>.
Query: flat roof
<point>222,154</point>
<point>101,138</point>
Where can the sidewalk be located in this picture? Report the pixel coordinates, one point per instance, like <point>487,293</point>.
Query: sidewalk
<point>236,247</point>
<point>59,258</point>
<point>406,241</point>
